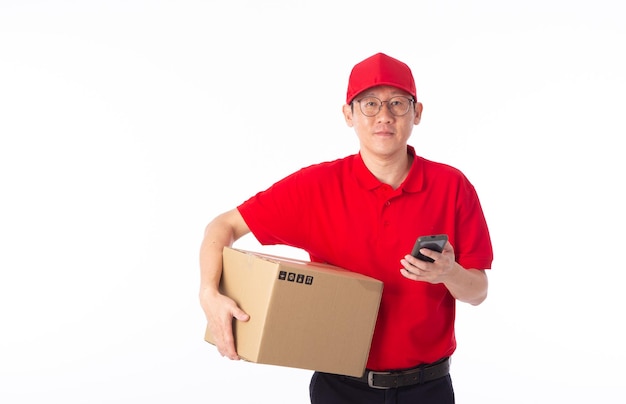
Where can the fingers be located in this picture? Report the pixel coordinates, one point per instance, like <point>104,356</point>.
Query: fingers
<point>220,314</point>
<point>416,276</point>
<point>240,315</point>
<point>418,263</point>
<point>418,270</point>
<point>227,348</point>
<point>227,345</point>
<point>411,267</point>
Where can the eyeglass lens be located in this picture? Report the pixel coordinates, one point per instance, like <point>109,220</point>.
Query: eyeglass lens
<point>398,106</point>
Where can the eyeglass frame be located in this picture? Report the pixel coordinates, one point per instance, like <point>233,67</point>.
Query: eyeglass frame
<point>380,106</point>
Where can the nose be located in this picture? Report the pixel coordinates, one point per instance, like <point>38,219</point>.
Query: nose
<point>384,115</point>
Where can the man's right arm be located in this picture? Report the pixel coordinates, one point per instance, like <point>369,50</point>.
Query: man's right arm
<point>219,310</point>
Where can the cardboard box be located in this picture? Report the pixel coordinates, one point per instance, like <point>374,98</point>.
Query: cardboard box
<point>302,314</point>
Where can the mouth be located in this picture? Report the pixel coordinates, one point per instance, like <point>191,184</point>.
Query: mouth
<point>385,133</point>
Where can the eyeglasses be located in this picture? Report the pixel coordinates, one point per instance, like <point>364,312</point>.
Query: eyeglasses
<point>398,106</point>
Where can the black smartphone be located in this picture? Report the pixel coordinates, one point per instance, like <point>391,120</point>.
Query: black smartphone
<point>433,242</point>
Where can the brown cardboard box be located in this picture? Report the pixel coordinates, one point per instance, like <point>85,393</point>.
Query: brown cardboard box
<point>302,314</point>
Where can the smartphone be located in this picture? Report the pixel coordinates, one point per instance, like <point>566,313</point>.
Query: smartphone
<point>433,242</point>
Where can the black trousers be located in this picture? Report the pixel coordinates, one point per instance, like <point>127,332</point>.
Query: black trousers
<point>327,388</point>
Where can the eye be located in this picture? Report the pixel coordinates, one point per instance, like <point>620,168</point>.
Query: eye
<point>370,103</point>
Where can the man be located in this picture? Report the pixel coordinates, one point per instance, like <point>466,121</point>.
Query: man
<point>364,213</point>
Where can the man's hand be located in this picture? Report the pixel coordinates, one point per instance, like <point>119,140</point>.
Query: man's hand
<point>467,285</point>
<point>431,272</point>
<point>220,311</point>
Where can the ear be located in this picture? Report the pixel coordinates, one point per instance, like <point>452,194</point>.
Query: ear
<point>347,114</point>
<point>418,113</point>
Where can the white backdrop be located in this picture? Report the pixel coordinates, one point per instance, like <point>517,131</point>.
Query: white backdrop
<point>125,126</point>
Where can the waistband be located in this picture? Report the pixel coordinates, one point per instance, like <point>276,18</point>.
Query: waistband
<point>409,377</point>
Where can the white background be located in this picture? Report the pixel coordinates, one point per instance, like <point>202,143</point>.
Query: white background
<point>126,126</point>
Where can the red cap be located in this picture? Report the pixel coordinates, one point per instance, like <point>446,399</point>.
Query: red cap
<point>379,70</point>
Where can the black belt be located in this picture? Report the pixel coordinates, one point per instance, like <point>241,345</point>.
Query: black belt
<point>409,377</point>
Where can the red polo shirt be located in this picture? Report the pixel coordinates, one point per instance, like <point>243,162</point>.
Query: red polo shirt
<point>341,214</point>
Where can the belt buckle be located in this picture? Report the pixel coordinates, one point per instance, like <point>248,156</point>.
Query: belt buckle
<point>370,379</point>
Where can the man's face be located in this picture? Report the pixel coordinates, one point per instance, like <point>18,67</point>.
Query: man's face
<point>383,134</point>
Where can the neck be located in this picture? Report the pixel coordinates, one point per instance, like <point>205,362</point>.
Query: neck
<point>390,170</point>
